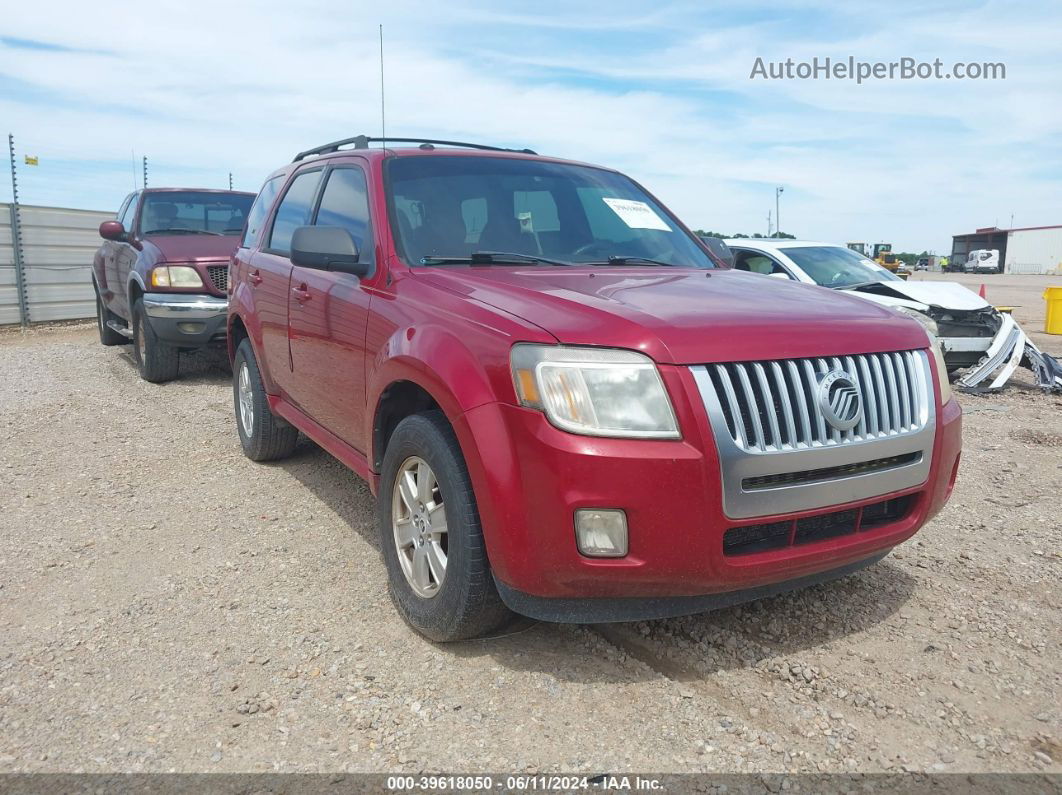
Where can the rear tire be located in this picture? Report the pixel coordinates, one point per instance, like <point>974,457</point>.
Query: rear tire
<point>465,603</point>
<point>156,361</point>
<point>108,336</point>
<point>263,435</point>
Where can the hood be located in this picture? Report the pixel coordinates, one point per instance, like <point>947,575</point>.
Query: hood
<point>684,316</point>
<point>947,295</point>
<point>189,248</point>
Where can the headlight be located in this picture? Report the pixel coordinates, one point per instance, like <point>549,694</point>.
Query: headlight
<point>942,372</point>
<point>928,323</point>
<point>594,391</point>
<point>175,276</point>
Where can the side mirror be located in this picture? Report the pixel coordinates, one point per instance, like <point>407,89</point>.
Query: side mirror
<point>326,248</point>
<point>112,230</point>
<point>720,249</point>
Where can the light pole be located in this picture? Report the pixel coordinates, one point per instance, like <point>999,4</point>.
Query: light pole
<point>777,212</point>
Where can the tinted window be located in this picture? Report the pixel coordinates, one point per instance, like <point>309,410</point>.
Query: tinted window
<point>260,209</point>
<point>194,212</point>
<point>345,203</point>
<point>294,211</point>
<point>451,206</point>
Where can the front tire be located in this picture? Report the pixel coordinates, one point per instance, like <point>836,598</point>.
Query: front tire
<point>156,361</point>
<point>263,435</point>
<point>430,535</point>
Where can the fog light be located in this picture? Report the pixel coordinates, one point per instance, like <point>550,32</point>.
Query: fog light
<point>601,534</point>
<point>190,327</point>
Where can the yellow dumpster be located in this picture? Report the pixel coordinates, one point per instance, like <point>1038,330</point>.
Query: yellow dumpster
<point>1053,321</point>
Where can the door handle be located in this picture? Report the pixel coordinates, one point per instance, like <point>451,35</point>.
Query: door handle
<point>255,278</point>
<point>302,295</point>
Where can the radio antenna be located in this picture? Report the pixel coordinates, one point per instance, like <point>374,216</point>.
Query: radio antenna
<point>383,117</point>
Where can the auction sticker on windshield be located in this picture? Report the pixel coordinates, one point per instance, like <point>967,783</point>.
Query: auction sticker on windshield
<point>636,214</point>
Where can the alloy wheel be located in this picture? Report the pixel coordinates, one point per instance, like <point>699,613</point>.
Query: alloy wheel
<point>418,519</point>
<point>246,400</point>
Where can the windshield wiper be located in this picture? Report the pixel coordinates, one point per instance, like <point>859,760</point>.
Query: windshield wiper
<point>855,286</point>
<point>615,260</point>
<point>181,231</point>
<point>491,258</point>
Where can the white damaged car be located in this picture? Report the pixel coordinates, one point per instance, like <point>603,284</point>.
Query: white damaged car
<point>973,335</point>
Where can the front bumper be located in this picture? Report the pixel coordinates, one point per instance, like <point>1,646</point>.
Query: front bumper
<point>530,477</point>
<point>187,319</point>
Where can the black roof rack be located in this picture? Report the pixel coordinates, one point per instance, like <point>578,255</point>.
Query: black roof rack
<point>363,141</point>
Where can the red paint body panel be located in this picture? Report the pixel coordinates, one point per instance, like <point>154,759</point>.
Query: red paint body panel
<point>450,331</point>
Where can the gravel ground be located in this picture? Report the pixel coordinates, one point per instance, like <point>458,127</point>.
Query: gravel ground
<point>165,604</point>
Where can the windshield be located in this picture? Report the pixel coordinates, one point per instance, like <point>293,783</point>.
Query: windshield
<point>834,266</point>
<point>444,209</point>
<point>194,212</point>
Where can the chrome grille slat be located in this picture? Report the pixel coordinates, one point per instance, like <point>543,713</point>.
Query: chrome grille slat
<point>773,406</point>
<point>768,404</point>
<point>883,395</point>
<point>902,368</point>
<point>805,417</point>
<point>787,404</point>
<point>738,431</point>
<point>753,405</point>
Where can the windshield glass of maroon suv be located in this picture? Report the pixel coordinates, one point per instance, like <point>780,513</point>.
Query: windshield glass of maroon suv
<point>461,209</point>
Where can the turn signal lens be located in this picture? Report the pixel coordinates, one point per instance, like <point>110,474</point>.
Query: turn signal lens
<point>942,371</point>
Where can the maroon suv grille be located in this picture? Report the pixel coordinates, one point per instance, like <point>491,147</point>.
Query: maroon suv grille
<point>219,277</point>
<point>778,535</point>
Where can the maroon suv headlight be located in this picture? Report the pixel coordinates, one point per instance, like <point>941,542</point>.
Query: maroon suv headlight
<point>175,276</point>
<point>594,391</point>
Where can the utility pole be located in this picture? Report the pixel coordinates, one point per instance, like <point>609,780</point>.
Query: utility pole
<point>777,211</point>
<point>230,180</point>
<point>145,172</point>
<point>16,240</point>
<point>768,223</point>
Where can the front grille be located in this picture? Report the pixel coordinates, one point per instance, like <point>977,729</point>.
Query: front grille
<point>774,406</point>
<point>779,535</point>
<point>219,277</point>
<point>829,473</point>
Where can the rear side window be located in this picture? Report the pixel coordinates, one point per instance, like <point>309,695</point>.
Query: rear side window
<point>260,209</point>
<point>294,211</point>
<point>345,203</point>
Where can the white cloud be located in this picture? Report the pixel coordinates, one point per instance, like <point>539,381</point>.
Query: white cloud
<point>662,93</point>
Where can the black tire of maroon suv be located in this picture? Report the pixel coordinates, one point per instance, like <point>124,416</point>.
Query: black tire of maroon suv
<point>156,361</point>
<point>465,604</point>
<point>263,435</point>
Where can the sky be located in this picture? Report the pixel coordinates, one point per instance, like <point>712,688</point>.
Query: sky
<point>661,91</point>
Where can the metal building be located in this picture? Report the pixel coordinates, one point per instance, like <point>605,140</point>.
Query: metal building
<point>1029,249</point>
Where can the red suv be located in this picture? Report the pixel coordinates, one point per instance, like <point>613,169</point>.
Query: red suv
<point>566,406</point>
<point>161,275</point>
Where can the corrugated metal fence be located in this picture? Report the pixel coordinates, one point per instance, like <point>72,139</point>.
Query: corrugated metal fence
<point>57,249</point>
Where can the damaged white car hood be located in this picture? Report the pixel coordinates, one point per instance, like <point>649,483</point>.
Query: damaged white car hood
<point>947,295</point>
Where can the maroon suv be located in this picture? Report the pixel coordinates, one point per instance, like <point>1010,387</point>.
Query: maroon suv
<point>161,275</point>
<point>566,406</point>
